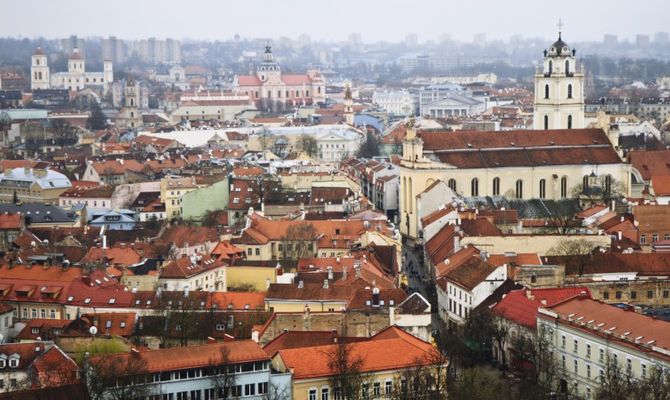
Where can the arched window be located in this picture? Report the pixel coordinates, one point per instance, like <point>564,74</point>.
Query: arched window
<point>452,184</point>
<point>551,67</point>
<point>546,122</point>
<point>569,121</point>
<point>496,186</point>
<point>474,187</point>
<point>546,91</point>
<point>564,186</point>
<point>608,184</point>
<point>543,188</point>
<point>409,191</point>
<point>585,182</point>
<point>519,189</point>
<point>404,192</point>
<point>567,67</point>
<point>570,91</point>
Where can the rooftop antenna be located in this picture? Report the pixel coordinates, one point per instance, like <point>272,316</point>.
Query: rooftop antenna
<point>560,28</point>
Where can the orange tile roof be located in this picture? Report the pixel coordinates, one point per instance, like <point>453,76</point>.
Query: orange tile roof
<point>185,268</point>
<point>617,324</point>
<point>179,358</point>
<point>515,258</point>
<point>661,185</point>
<point>389,350</point>
<point>124,256</point>
<point>111,323</point>
<point>116,167</point>
<point>11,221</point>
<point>520,306</point>
<point>650,162</point>
<point>180,235</point>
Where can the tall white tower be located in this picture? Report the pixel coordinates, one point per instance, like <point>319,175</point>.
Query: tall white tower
<point>39,71</point>
<point>559,90</point>
<point>76,66</point>
<point>348,105</point>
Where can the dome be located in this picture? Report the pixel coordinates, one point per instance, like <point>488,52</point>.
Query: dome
<point>559,48</point>
<point>76,55</point>
<point>39,51</point>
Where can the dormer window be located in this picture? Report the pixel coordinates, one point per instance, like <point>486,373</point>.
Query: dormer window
<point>35,331</point>
<point>3,363</point>
<point>87,301</point>
<point>13,362</point>
<point>112,300</point>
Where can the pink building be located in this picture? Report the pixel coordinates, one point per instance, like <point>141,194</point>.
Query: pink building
<point>270,89</point>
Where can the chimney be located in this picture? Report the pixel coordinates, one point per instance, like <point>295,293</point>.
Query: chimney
<point>306,312</point>
<point>301,284</point>
<point>330,272</point>
<point>325,283</point>
<point>279,271</point>
<point>619,234</point>
<point>375,297</point>
<point>104,241</point>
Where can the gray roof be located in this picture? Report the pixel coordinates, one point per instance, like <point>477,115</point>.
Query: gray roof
<point>526,209</point>
<point>27,176</point>
<point>37,213</point>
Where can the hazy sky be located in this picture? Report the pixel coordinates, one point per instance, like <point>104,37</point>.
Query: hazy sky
<point>332,19</point>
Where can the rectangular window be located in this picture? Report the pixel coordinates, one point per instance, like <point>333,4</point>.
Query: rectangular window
<point>654,238</point>
<point>617,294</point>
<point>643,239</point>
<point>377,389</point>
<point>650,294</point>
<point>388,387</point>
<point>606,295</point>
<point>633,294</point>
<point>250,389</point>
<point>324,393</point>
<point>312,394</point>
<point>562,341</point>
<point>575,347</point>
<point>602,355</point>
<point>588,351</point>
<point>262,388</point>
<point>644,371</point>
<point>576,366</point>
<point>258,251</point>
<point>588,371</point>
<point>250,251</point>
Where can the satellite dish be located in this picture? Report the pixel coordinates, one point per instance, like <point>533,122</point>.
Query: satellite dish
<point>93,330</point>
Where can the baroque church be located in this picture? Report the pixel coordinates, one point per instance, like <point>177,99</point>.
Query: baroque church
<point>547,162</point>
<point>270,88</point>
<point>76,78</point>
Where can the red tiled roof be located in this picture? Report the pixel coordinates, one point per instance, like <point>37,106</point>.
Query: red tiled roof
<point>515,258</point>
<point>479,227</point>
<point>622,325</point>
<point>389,350</point>
<point>442,244</point>
<point>124,256</point>
<point>436,215</point>
<point>180,358</point>
<point>651,162</point>
<point>661,184</point>
<point>520,306</point>
<point>185,268</point>
<point>180,235</point>
<point>11,221</point>
<point>115,324</point>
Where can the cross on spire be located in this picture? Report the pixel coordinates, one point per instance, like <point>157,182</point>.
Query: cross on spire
<point>560,27</point>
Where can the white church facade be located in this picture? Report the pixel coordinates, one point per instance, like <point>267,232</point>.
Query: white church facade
<point>548,162</point>
<point>76,78</point>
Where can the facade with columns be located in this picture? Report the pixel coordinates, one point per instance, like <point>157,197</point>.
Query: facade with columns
<point>269,88</point>
<point>76,78</point>
<point>559,90</point>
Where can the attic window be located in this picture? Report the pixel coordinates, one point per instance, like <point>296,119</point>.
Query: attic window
<point>3,363</point>
<point>246,306</point>
<point>112,300</point>
<point>35,331</point>
<point>13,362</point>
<point>391,302</point>
<point>108,324</point>
<point>87,300</point>
<point>70,298</point>
<point>123,324</point>
<point>137,302</point>
<point>220,327</point>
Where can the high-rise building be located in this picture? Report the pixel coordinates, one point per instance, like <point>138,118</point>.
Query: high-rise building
<point>610,40</point>
<point>559,90</point>
<point>661,38</point>
<point>642,40</point>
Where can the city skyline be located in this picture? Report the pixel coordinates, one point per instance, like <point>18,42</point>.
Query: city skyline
<point>373,20</point>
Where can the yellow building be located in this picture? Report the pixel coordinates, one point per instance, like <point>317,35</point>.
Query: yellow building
<point>32,185</point>
<point>383,364</point>
<point>546,164</point>
<point>172,190</point>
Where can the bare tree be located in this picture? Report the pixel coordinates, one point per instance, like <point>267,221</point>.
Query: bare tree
<point>598,190</point>
<point>347,378</point>
<point>307,143</point>
<point>426,381</point>
<point>223,374</point>
<point>575,249</point>
<point>480,383</point>
<point>298,242</point>
<point>117,377</point>
<point>615,382</point>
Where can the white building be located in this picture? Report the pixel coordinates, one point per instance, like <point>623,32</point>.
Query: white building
<point>584,334</point>
<point>559,90</point>
<point>337,144</point>
<point>453,105</point>
<point>467,285</point>
<point>76,78</point>
<point>193,273</point>
<point>395,102</point>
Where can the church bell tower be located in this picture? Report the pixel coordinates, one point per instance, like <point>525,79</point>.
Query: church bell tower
<point>559,89</point>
